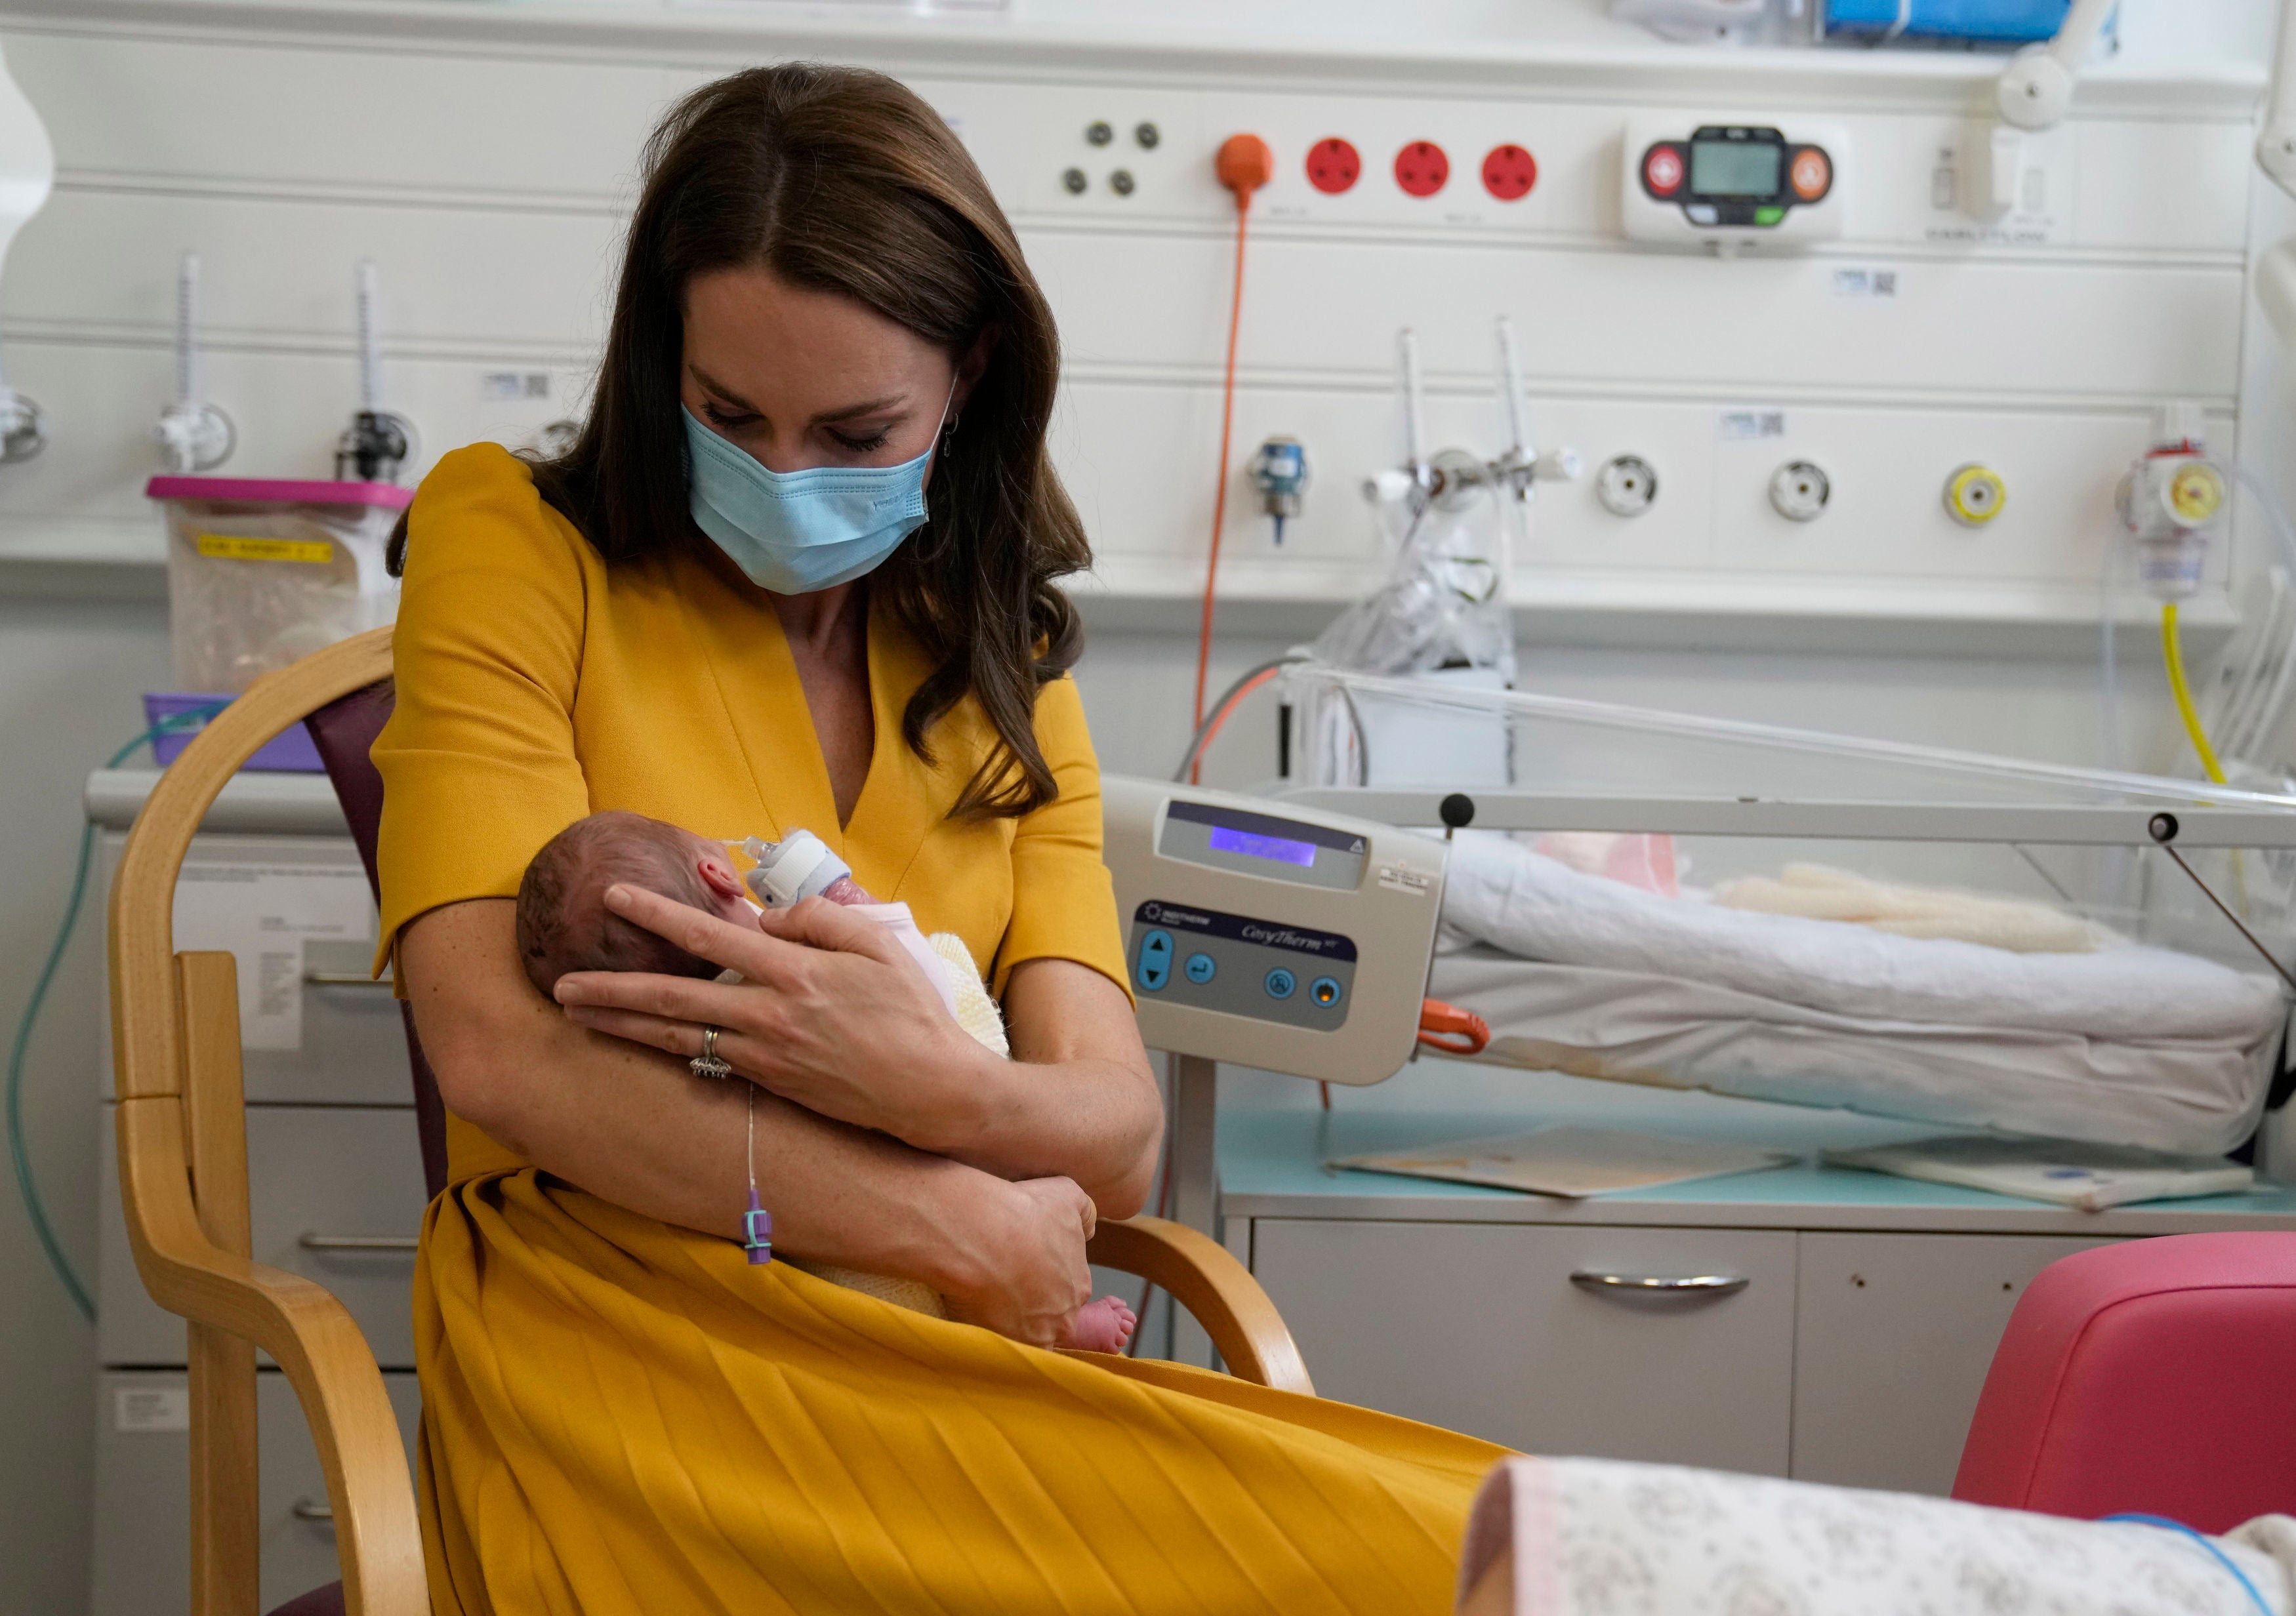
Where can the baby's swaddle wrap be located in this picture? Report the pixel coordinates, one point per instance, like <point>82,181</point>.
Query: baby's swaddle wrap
<point>801,866</point>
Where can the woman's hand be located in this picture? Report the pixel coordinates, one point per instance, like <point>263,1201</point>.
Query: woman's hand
<point>832,1014</point>
<point>1021,1269</point>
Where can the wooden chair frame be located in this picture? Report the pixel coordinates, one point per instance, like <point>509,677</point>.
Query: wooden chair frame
<point>184,1180</point>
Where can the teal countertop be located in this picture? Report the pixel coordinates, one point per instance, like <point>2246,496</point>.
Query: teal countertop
<point>1272,1163</point>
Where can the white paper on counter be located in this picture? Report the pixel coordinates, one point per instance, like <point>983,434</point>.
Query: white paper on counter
<point>263,912</point>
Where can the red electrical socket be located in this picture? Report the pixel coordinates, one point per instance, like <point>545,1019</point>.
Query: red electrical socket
<point>1509,172</point>
<point>1333,165</point>
<point>1422,169</point>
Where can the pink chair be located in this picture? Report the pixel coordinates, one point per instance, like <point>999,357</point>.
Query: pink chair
<point>2153,1376</point>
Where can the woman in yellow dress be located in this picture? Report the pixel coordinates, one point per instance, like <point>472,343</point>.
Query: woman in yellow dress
<point>798,573</point>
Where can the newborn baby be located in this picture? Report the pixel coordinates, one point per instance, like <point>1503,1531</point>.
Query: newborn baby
<point>564,926</point>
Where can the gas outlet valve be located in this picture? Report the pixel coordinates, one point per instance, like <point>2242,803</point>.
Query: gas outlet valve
<point>2171,500</point>
<point>1974,494</point>
<point>1280,473</point>
<point>1799,491</point>
<point>1626,484</point>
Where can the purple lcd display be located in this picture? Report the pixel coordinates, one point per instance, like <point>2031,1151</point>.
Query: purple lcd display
<point>1302,854</point>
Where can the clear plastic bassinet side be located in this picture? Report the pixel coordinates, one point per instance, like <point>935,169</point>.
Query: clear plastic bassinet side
<point>1742,800</point>
<point>1969,941</point>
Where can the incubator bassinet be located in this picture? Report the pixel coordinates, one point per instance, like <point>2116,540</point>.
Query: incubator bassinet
<point>2132,1011</point>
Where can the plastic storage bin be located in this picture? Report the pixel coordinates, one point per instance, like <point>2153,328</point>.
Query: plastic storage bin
<point>261,572</point>
<point>289,751</point>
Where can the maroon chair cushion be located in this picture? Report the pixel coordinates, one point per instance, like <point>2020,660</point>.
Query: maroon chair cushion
<point>327,1601</point>
<point>344,732</point>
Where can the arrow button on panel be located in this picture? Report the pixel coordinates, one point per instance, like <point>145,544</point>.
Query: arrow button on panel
<point>1155,960</point>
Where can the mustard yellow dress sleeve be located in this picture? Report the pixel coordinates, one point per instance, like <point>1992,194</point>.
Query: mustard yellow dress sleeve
<point>622,1418</point>
<point>478,760</point>
<point>1064,901</point>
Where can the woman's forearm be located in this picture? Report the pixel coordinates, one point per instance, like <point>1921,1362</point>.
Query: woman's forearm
<point>1075,1098</point>
<point>832,1014</point>
<point>632,1126</point>
<point>1097,1122</point>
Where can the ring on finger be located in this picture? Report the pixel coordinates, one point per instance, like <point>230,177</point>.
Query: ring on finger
<point>708,1064</point>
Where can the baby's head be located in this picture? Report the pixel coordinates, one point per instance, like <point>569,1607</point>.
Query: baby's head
<point>563,923</point>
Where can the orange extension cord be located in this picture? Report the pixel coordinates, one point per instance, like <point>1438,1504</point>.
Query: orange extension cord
<point>1244,164</point>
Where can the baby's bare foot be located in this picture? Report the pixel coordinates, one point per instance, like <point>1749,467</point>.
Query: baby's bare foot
<point>1102,1324</point>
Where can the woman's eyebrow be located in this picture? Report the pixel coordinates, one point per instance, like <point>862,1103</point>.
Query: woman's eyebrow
<point>710,384</point>
<point>869,407</point>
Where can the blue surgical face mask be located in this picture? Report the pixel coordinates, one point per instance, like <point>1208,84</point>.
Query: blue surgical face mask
<point>796,532</point>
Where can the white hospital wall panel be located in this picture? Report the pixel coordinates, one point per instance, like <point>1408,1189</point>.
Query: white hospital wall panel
<point>209,113</point>
<point>1711,536</point>
<point>489,183</point>
<point>2104,182</point>
<point>101,261</point>
<point>276,271</point>
<point>288,406</point>
<point>1667,322</point>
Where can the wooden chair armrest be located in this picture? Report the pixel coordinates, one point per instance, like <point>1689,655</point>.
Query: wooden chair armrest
<point>316,1341</point>
<point>1203,1278</point>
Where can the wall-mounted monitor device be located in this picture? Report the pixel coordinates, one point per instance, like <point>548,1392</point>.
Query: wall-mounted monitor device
<point>1737,183</point>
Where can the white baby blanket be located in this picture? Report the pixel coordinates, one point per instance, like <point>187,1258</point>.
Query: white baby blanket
<point>1602,1537</point>
<point>2191,1094</point>
<point>1501,892</point>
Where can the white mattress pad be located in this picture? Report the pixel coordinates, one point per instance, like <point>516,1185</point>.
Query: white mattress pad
<point>1501,893</point>
<point>1580,974</point>
<point>2201,1096</point>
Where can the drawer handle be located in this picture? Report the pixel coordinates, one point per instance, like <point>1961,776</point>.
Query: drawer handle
<point>346,979</point>
<point>306,1509</point>
<point>359,1242</point>
<point>1661,1284</point>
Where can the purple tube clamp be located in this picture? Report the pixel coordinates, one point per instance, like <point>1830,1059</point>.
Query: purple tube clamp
<point>758,1232</point>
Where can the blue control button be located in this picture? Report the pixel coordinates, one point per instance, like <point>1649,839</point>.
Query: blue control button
<point>1155,960</point>
<point>1280,983</point>
<point>1325,991</point>
<point>1201,968</point>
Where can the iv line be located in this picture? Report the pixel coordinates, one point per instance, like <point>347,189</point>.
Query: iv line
<point>19,1158</point>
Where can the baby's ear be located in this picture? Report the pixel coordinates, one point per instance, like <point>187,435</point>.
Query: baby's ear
<point>718,877</point>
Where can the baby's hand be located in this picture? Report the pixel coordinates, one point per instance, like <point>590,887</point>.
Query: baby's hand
<point>845,890</point>
<point>1104,1325</point>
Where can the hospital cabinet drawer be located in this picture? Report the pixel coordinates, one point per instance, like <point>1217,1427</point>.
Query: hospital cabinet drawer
<point>1541,1338</point>
<point>143,1491</point>
<point>336,1195</point>
<point>1893,1333</point>
<point>296,914</point>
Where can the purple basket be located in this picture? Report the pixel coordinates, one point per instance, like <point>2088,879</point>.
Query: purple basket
<point>289,751</point>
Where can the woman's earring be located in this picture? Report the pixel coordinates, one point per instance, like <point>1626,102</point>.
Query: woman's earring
<point>946,448</point>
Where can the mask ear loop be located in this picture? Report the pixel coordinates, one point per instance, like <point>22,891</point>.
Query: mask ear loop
<point>944,440</point>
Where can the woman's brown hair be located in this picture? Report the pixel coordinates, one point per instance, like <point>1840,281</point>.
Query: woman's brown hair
<point>840,180</point>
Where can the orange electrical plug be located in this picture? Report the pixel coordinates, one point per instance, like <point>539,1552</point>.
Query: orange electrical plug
<point>1244,166</point>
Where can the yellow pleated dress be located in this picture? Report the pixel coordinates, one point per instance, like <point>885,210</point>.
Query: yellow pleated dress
<point>620,1417</point>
